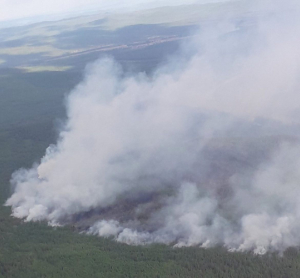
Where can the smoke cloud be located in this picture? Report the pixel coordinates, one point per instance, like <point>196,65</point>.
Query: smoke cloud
<point>203,152</point>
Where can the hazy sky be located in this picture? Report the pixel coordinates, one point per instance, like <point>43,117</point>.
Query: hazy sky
<point>18,9</point>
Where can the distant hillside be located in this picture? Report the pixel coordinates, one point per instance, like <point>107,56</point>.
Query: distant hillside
<point>37,44</point>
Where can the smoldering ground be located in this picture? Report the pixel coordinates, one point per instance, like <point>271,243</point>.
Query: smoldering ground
<point>203,152</point>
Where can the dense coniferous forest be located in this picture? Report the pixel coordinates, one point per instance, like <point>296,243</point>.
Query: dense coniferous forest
<point>36,250</point>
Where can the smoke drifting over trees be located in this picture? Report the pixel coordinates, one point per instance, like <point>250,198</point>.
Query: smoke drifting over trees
<point>204,152</point>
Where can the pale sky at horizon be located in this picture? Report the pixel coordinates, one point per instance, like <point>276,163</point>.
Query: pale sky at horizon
<point>20,9</point>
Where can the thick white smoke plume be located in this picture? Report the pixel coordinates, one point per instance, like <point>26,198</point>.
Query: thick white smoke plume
<point>204,152</point>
